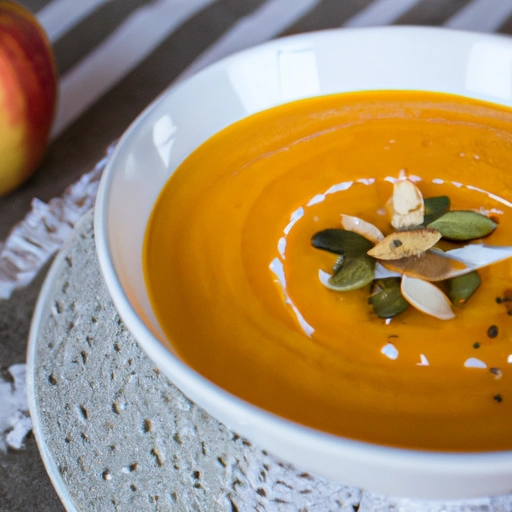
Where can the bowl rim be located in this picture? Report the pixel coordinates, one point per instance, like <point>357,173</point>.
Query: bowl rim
<point>440,461</point>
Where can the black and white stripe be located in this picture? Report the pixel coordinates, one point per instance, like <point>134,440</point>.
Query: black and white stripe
<point>116,56</point>
<point>100,42</point>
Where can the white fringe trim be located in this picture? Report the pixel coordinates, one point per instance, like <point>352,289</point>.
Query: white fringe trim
<point>34,240</point>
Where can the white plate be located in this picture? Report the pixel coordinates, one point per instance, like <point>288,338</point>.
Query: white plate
<point>475,65</point>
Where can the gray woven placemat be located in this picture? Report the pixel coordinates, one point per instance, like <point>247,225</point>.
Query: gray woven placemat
<point>116,435</point>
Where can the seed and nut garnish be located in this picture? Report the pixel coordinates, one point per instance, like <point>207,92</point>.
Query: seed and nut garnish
<point>406,267</point>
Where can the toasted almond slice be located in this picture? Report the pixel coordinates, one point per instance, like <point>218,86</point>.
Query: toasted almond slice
<point>361,227</point>
<point>402,244</point>
<point>426,297</point>
<point>408,207</point>
<point>429,266</point>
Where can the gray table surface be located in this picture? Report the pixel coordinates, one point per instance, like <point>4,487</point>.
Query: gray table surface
<point>116,434</point>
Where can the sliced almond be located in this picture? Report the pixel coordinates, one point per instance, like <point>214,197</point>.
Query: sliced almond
<point>426,297</point>
<point>408,207</point>
<point>476,256</point>
<point>382,272</point>
<point>403,244</point>
<point>429,266</point>
<point>324,278</point>
<point>361,227</point>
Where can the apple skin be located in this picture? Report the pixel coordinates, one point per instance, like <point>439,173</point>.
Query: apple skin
<point>28,94</point>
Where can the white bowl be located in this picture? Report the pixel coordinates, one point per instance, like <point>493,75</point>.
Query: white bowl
<point>474,65</point>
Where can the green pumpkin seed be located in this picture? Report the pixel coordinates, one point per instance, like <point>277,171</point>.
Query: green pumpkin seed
<point>338,264</point>
<point>461,288</point>
<point>387,299</point>
<point>355,273</point>
<point>463,225</point>
<point>341,241</point>
<point>435,207</point>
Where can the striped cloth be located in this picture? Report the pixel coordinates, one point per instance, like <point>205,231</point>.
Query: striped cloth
<point>116,56</point>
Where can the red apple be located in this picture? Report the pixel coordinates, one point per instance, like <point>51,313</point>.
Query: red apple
<point>28,94</point>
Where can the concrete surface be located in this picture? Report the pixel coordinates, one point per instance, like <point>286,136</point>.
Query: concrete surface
<point>121,437</point>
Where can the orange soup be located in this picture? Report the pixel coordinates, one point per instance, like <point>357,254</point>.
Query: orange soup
<point>233,277</point>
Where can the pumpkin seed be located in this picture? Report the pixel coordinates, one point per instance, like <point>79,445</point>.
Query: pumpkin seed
<point>435,207</point>
<point>361,227</point>
<point>402,244</point>
<point>408,208</point>
<point>355,273</point>
<point>461,288</point>
<point>426,297</point>
<point>338,264</point>
<point>387,299</point>
<point>341,241</point>
<point>463,225</point>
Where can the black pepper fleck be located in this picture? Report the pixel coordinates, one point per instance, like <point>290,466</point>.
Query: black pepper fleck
<point>476,344</point>
<point>498,398</point>
<point>492,332</point>
<point>499,300</point>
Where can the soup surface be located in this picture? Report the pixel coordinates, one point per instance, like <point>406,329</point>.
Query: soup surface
<point>233,277</point>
